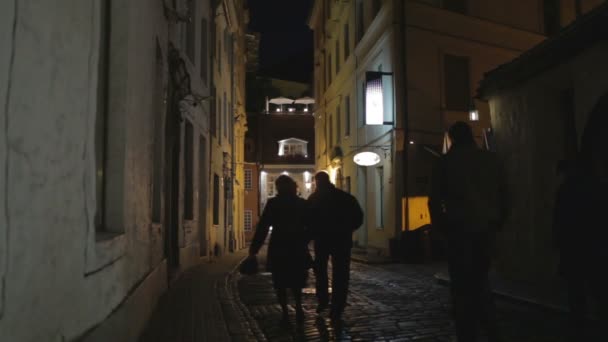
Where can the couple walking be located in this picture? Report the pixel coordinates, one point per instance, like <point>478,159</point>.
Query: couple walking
<point>328,217</point>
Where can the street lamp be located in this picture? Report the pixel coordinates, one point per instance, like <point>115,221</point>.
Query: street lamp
<point>366,158</point>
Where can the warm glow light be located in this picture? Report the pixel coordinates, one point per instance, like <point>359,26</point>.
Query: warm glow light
<point>306,109</point>
<point>291,109</point>
<point>411,142</point>
<point>374,102</point>
<point>366,158</point>
<point>278,109</point>
<point>308,185</point>
<point>285,173</point>
<point>474,115</point>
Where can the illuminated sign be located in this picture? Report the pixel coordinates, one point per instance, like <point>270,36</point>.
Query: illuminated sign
<point>366,158</point>
<point>374,100</point>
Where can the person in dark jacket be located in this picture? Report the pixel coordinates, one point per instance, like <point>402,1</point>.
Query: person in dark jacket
<point>468,204</point>
<point>288,255</point>
<point>334,216</point>
<point>580,236</point>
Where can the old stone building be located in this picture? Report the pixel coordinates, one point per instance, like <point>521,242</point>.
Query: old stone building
<point>545,107</point>
<point>107,158</point>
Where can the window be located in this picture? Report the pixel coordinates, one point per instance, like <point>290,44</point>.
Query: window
<point>360,22</point>
<point>331,131</point>
<point>157,139</point>
<point>219,55</point>
<point>248,179</point>
<point>329,70</point>
<point>225,117</point>
<point>456,83</point>
<point>458,6</point>
<point>347,184</point>
<point>248,218</point>
<point>219,121</point>
<point>379,197</point>
<point>270,186</point>
<point>204,51</point>
<point>338,124</point>
<point>347,116</point>
<point>216,199</point>
<point>552,17</point>
<point>188,170</point>
<point>101,119</point>
<point>346,42</point>
<point>337,56</point>
<point>189,43</point>
<point>214,113</point>
<point>293,147</point>
<point>361,115</point>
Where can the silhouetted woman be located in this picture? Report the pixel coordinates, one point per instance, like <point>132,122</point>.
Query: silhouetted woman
<point>288,246</point>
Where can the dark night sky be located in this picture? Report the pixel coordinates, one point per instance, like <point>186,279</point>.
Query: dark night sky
<point>286,45</point>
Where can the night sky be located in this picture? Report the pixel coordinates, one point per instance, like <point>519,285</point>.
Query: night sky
<point>286,43</point>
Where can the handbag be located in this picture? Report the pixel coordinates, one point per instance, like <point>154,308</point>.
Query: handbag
<point>249,265</point>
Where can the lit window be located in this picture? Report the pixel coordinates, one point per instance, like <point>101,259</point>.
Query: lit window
<point>248,220</point>
<point>293,147</point>
<point>248,179</point>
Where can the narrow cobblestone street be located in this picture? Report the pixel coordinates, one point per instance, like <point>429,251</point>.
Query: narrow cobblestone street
<point>393,302</point>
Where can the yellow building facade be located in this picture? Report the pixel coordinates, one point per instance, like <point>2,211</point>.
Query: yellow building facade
<point>431,55</point>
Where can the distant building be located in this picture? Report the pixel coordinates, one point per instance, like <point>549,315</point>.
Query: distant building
<point>280,140</point>
<point>546,106</point>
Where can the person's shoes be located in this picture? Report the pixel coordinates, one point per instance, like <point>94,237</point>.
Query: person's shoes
<point>321,308</point>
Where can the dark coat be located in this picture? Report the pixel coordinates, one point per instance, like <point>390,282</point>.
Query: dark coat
<point>288,255</point>
<point>579,224</point>
<point>468,190</point>
<point>334,216</point>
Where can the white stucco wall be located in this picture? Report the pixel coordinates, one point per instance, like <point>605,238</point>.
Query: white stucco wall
<point>53,289</point>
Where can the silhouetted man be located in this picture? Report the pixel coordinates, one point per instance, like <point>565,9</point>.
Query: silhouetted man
<point>468,204</point>
<point>334,215</point>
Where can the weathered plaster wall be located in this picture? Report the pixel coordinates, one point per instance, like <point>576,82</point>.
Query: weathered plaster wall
<point>528,123</point>
<point>7,20</point>
<point>50,292</point>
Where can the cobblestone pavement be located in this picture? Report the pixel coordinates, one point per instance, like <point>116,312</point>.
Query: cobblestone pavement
<point>396,302</point>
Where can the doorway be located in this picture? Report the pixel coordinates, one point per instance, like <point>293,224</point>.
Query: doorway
<point>171,181</point>
<point>362,191</point>
<point>203,195</point>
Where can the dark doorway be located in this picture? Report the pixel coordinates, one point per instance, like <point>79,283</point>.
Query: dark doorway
<point>593,143</point>
<point>203,178</point>
<point>172,151</point>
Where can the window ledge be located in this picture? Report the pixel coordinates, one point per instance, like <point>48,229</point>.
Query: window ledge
<point>105,250</point>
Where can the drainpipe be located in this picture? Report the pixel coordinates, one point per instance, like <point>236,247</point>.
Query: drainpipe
<point>405,124</point>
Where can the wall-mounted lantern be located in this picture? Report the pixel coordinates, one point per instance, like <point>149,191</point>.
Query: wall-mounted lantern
<point>374,98</point>
<point>473,112</point>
